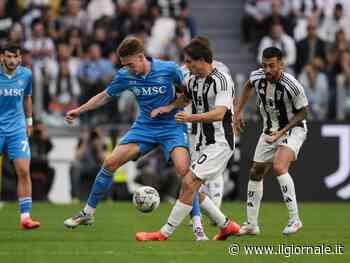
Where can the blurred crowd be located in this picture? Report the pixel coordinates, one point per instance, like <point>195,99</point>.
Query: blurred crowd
<point>314,36</point>
<point>70,46</point>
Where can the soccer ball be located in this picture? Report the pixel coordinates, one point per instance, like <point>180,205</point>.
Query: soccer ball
<point>146,199</point>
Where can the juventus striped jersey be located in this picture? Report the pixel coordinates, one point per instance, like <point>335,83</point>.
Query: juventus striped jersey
<point>192,127</point>
<point>280,101</point>
<point>217,89</point>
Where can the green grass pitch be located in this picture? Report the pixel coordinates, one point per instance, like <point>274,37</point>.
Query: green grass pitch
<point>111,239</point>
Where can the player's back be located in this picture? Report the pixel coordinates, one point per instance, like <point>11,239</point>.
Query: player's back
<point>12,90</point>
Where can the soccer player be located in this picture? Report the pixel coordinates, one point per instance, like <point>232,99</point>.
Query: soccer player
<point>212,93</point>
<point>283,106</point>
<point>152,81</point>
<point>213,188</point>
<point>16,124</point>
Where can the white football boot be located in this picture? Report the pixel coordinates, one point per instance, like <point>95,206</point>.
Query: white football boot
<point>249,229</point>
<point>80,219</point>
<point>292,227</point>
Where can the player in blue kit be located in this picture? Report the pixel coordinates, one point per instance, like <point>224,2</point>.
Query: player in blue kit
<point>16,124</point>
<point>153,83</point>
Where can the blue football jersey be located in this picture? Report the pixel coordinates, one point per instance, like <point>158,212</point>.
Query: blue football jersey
<point>12,90</point>
<point>154,90</point>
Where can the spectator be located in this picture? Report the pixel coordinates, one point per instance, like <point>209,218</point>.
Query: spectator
<point>188,20</point>
<point>276,17</point>
<point>331,25</point>
<point>64,87</point>
<point>6,20</point>
<point>315,84</point>
<point>94,74</point>
<point>310,47</point>
<point>75,16</point>
<point>282,41</point>
<point>343,87</point>
<point>42,49</point>
<point>41,172</point>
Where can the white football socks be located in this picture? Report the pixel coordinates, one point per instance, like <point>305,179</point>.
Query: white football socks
<point>254,196</point>
<point>288,192</point>
<point>177,215</point>
<point>214,212</point>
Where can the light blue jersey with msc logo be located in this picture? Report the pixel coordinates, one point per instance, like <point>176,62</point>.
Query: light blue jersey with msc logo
<point>156,89</point>
<point>13,135</point>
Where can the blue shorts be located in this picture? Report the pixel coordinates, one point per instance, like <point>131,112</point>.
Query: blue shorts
<point>15,146</point>
<point>168,137</point>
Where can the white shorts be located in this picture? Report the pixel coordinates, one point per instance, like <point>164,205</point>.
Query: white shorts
<point>294,139</point>
<point>211,161</point>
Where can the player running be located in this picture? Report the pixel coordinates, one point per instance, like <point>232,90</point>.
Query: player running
<point>212,93</point>
<point>152,82</point>
<point>283,106</point>
<point>16,124</point>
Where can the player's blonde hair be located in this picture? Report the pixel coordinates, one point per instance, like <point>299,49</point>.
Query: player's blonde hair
<point>130,46</point>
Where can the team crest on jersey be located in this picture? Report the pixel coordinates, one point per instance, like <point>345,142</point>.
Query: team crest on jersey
<point>160,79</point>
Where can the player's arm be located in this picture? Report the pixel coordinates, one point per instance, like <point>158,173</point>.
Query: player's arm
<point>247,92</point>
<point>217,114</point>
<point>297,118</point>
<point>180,102</point>
<point>28,111</point>
<point>95,102</point>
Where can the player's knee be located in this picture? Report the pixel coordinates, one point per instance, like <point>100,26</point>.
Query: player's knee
<point>255,174</point>
<point>111,164</point>
<point>280,168</point>
<point>22,173</point>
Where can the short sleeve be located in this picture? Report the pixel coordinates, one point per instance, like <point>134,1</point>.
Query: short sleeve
<point>178,76</point>
<point>117,86</point>
<point>225,92</point>
<point>300,101</point>
<point>29,87</point>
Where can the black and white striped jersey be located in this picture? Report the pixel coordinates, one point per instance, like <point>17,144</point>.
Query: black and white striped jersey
<point>217,89</point>
<point>192,127</point>
<point>280,101</point>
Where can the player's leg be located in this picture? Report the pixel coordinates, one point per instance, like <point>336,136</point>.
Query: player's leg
<point>283,159</point>
<point>262,163</point>
<point>181,161</point>
<point>216,189</point>
<point>183,206</point>
<point>254,197</point>
<point>103,181</point>
<point>18,150</point>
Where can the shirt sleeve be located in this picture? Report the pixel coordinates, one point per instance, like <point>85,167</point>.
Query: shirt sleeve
<point>297,92</point>
<point>178,76</point>
<point>29,87</point>
<point>300,100</point>
<point>224,92</point>
<point>117,86</point>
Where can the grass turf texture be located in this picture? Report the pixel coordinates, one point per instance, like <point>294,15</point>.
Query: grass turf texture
<point>111,239</point>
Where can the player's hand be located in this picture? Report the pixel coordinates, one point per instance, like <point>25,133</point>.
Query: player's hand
<point>30,130</point>
<point>182,117</point>
<point>71,115</point>
<point>238,123</point>
<point>160,110</point>
<point>273,137</point>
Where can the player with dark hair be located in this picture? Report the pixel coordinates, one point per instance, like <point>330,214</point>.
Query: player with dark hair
<point>283,107</point>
